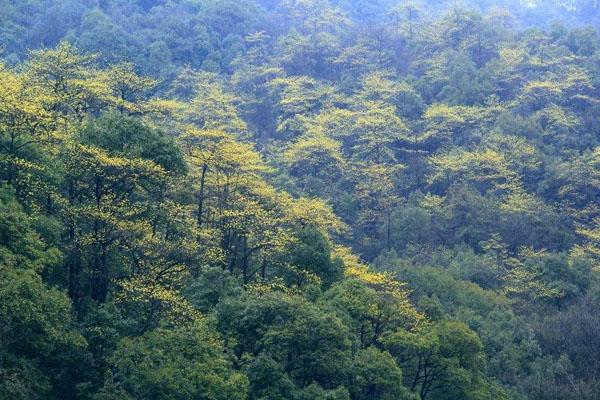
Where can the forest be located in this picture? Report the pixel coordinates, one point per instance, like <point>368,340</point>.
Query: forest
<point>299,200</point>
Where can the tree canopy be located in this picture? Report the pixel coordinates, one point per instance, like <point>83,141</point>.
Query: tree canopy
<point>299,199</point>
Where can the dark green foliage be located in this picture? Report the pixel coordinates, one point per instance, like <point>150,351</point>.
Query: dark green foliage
<point>130,138</point>
<point>375,375</point>
<point>310,345</point>
<point>40,351</point>
<point>183,363</point>
<point>312,253</point>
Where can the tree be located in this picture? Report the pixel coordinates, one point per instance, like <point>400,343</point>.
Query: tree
<point>376,128</point>
<point>25,125</point>
<point>309,344</point>
<point>212,108</point>
<point>591,245</point>
<point>252,79</point>
<point>183,362</point>
<point>70,82</point>
<point>370,311</point>
<point>106,194</point>
<point>318,167</point>
<point>462,29</point>
<point>314,40</point>
<point>543,277</point>
<point>298,97</point>
<point>40,351</point>
<point>457,125</point>
<point>579,181</point>
<point>377,376</point>
<point>487,170</point>
<point>444,363</point>
<point>100,35</point>
<point>129,89</point>
<point>310,253</point>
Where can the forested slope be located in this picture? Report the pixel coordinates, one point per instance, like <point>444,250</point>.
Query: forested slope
<point>299,199</point>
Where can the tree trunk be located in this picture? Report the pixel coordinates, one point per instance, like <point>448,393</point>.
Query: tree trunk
<point>201,193</point>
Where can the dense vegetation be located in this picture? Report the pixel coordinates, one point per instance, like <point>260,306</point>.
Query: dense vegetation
<point>299,199</point>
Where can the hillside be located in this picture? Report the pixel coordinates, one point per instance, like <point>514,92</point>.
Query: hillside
<point>299,199</point>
